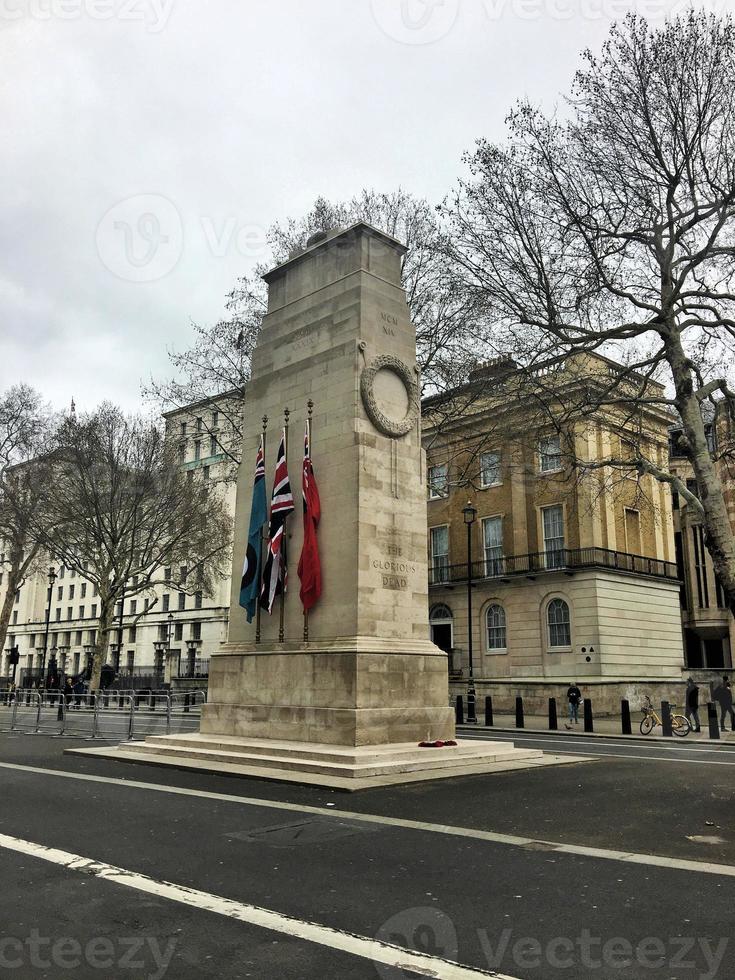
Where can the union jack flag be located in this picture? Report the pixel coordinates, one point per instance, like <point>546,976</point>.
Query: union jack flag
<point>275,573</point>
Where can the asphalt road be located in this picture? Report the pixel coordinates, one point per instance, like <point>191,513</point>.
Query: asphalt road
<point>347,878</point>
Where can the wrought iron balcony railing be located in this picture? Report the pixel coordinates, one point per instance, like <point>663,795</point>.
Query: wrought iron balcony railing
<point>560,560</point>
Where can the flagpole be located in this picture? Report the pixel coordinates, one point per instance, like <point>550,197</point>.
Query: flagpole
<point>260,555</point>
<point>284,550</point>
<point>310,404</point>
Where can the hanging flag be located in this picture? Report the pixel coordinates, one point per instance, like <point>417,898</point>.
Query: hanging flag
<point>310,569</point>
<point>275,573</point>
<point>250,584</point>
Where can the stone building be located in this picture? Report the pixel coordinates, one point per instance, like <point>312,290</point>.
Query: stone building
<point>709,626</point>
<point>164,636</point>
<point>574,573</point>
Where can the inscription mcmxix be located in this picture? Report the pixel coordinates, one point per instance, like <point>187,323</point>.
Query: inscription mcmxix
<point>389,322</point>
<point>305,337</point>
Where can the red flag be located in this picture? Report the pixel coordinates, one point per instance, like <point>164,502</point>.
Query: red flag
<point>310,569</point>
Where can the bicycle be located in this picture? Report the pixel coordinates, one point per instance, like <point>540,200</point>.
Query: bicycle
<point>679,724</point>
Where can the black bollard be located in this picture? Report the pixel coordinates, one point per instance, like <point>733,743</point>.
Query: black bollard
<point>714,727</point>
<point>153,701</point>
<point>666,727</point>
<point>186,702</point>
<point>488,711</point>
<point>520,720</point>
<point>459,710</point>
<point>553,721</point>
<point>627,728</point>
<point>589,725</point>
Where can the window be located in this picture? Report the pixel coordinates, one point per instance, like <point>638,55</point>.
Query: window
<point>133,606</point>
<point>183,572</point>
<point>162,631</point>
<point>492,535</point>
<point>71,591</point>
<point>92,637</point>
<point>182,453</point>
<point>496,631</point>
<point>62,572</point>
<point>83,590</point>
<point>81,612</point>
<point>549,453</point>
<point>60,593</point>
<point>131,634</point>
<point>70,612</point>
<point>213,447</point>
<point>32,640</point>
<point>199,425</point>
<point>58,615</point>
<point>439,548</point>
<point>183,429</point>
<point>95,592</point>
<point>178,631</point>
<point>196,631</point>
<point>93,610</point>
<point>700,566</point>
<point>197,600</point>
<point>553,528</point>
<point>78,638</point>
<point>205,473</point>
<point>490,469</point>
<point>438,481</point>
<point>167,574</point>
<point>215,418</point>
<point>182,601</point>
<point>197,450</point>
<point>131,659</point>
<point>558,622</point>
<point>165,602</point>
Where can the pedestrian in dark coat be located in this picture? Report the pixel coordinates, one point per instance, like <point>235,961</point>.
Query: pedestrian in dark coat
<point>723,694</point>
<point>692,704</point>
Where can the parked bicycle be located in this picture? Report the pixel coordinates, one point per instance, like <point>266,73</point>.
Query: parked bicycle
<point>679,724</point>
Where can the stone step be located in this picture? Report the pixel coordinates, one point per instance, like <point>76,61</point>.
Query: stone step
<point>329,753</point>
<point>421,759</point>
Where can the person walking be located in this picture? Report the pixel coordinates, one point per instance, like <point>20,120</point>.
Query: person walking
<point>574,697</point>
<point>78,690</point>
<point>692,704</point>
<point>723,694</point>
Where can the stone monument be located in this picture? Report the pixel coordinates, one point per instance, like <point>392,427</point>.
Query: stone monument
<point>350,705</point>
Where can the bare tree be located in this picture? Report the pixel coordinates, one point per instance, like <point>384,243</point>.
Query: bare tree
<point>122,513</point>
<point>218,362</point>
<point>25,431</point>
<point>610,230</point>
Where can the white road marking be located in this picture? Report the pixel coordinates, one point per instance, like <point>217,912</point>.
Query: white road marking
<point>605,854</point>
<point>591,748</point>
<point>345,942</point>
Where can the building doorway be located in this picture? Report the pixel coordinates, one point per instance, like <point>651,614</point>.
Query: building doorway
<point>441,630</point>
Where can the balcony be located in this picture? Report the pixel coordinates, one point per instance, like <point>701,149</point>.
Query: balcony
<point>567,560</point>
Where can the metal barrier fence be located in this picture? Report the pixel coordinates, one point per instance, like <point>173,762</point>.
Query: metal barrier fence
<point>114,715</point>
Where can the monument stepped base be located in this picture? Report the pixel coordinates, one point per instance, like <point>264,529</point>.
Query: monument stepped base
<point>333,766</point>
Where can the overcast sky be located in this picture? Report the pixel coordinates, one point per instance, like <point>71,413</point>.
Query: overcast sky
<point>148,143</point>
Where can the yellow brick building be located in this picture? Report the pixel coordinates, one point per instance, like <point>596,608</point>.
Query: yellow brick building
<point>574,570</point>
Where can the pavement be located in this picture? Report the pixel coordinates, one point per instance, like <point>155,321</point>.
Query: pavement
<point>621,868</point>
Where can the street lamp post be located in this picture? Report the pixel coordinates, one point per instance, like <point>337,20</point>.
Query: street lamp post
<point>470,514</point>
<point>168,644</point>
<point>51,580</point>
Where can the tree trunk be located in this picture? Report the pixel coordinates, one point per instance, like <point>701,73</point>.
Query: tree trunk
<point>104,629</point>
<point>8,602</point>
<point>719,535</point>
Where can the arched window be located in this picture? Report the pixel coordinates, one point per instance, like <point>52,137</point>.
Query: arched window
<point>440,613</point>
<point>559,623</point>
<point>496,631</point>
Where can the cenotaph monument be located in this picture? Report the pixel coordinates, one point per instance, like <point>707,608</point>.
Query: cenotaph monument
<point>350,705</point>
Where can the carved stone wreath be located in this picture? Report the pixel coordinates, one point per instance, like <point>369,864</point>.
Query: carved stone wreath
<point>383,423</point>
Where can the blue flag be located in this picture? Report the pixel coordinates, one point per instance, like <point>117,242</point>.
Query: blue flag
<point>250,583</point>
